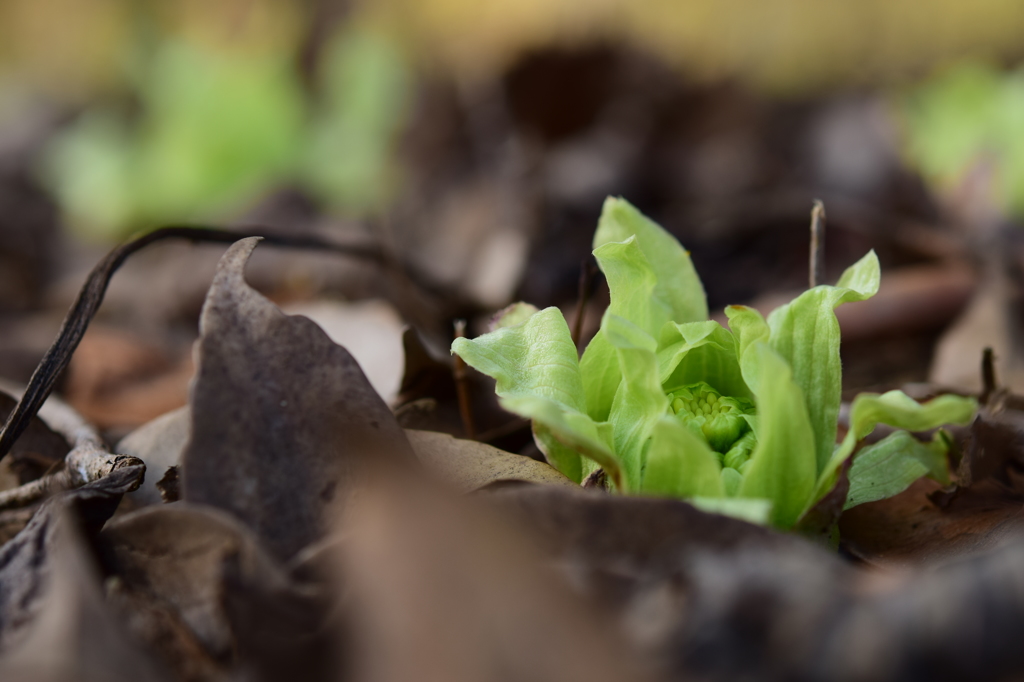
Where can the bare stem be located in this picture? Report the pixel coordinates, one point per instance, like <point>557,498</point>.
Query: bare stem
<point>988,376</point>
<point>462,385</point>
<point>88,461</point>
<point>817,262</point>
<point>586,275</point>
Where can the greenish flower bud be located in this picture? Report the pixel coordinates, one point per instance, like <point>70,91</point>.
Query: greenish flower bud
<point>739,454</point>
<point>716,418</point>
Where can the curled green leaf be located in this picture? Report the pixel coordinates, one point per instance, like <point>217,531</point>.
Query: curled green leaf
<point>678,287</point>
<point>805,332</point>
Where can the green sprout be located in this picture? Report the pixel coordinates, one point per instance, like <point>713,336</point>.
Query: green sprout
<point>741,421</point>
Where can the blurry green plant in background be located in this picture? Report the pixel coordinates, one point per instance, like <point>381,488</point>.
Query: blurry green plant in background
<point>213,111</point>
<point>965,118</point>
<point>347,162</point>
<point>217,129</point>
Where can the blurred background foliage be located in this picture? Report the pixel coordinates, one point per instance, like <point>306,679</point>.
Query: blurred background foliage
<point>192,110</point>
<point>476,142</point>
<point>968,120</point>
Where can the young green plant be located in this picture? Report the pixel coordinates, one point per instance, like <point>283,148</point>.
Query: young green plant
<point>739,420</point>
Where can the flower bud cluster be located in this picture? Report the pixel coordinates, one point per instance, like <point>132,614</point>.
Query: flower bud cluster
<point>719,420</point>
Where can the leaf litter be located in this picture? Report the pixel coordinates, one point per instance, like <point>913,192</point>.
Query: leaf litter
<point>313,540</point>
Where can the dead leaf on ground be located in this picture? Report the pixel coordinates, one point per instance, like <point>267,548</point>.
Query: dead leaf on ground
<point>159,443</point>
<point>470,465</point>
<point>708,597</point>
<point>994,441</point>
<point>190,579</point>
<point>679,579</point>
<point>911,529</point>
<point>75,635</point>
<point>370,330</point>
<point>26,561</point>
<point>647,534</point>
<point>442,589</point>
<point>281,415</point>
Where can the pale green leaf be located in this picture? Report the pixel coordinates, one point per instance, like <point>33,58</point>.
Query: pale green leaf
<point>731,481</point>
<point>700,351</point>
<point>536,357</point>
<point>631,284</point>
<point>513,315</point>
<point>639,402</point>
<point>565,434</point>
<point>599,367</point>
<point>782,467</point>
<point>537,375</point>
<point>888,467</point>
<point>678,286</point>
<point>896,408</point>
<point>679,464</point>
<point>748,328</point>
<point>746,509</point>
<point>805,332</point>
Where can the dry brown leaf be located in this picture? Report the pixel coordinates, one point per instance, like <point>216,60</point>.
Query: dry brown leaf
<point>714,598</point>
<point>26,561</point>
<point>158,443</point>
<point>911,529</point>
<point>198,586</point>
<point>281,415</point>
<point>442,589</point>
<point>75,636</point>
<point>370,330</point>
<point>470,465</point>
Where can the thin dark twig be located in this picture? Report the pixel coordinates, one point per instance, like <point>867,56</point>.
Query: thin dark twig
<point>817,264</point>
<point>462,385</point>
<point>91,296</point>
<point>586,275</point>
<point>988,376</point>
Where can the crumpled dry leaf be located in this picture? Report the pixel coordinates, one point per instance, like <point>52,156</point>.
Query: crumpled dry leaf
<point>470,465</point>
<point>198,586</point>
<point>441,588</point>
<point>74,636</point>
<point>281,416</point>
<point>26,561</point>
<point>158,443</point>
<point>643,534</point>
